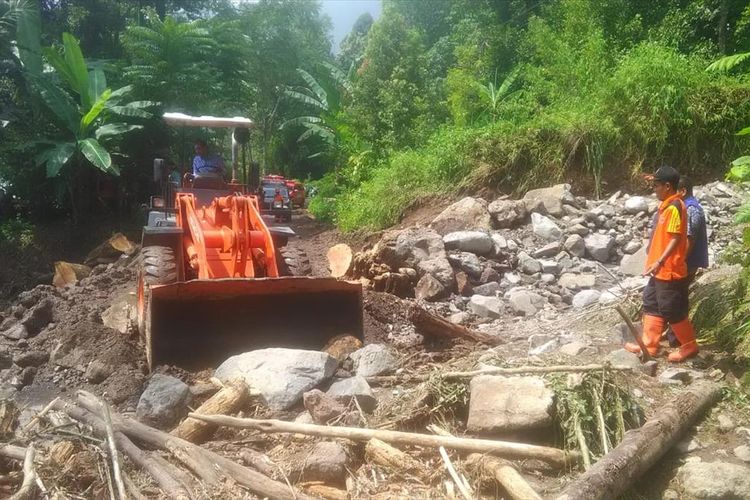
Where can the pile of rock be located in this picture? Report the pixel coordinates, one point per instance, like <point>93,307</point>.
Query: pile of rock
<point>548,251</point>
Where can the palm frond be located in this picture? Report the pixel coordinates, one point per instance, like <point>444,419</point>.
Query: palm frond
<point>305,99</point>
<point>728,62</point>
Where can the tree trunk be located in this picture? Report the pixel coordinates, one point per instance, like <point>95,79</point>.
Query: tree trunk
<point>432,325</point>
<point>642,448</point>
<point>228,400</point>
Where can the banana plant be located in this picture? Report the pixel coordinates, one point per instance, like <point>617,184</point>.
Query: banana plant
<point>494,95</point>
<point>95,114</point>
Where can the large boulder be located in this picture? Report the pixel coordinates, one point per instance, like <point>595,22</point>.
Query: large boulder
<point>636,204</point>
<point>509,404</point>
<point>634,264</point>
<point>507,213</point>
<point>586,298</point>
<point>714,480</point>
<point>281,376</point>
<point>486,307</point>
<point>477,242</point>
<point>346,389</point>
<point>326,462</point>
<point>599,246</point>
<point>164,402</point>
<point>545,228</point>
<point>468,213</point>
<point>373,360</point>
<point>468,263</point>
<point>429,288</point>
<point>552,198</point>
<point>525,302</point>
<point>575,245</point>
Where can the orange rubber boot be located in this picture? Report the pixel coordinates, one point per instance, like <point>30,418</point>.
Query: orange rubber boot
<point>653,326</point>
<point>686,335</point>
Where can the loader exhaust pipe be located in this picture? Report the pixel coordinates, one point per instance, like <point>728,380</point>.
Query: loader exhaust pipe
<point>200,323</point>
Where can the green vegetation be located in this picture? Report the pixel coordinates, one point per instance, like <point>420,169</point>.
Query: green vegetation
<point>432,99</point>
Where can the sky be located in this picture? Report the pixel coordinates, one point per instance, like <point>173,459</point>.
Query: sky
<point>343,13</point>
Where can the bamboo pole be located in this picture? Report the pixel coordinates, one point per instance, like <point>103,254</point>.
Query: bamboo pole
<point>519,370</point>
<point>553,456</point>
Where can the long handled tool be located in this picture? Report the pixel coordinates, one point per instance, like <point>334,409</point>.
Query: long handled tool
<point>645,356</point>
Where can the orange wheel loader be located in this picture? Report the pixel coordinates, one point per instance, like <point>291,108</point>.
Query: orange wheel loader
<point>216,280</point>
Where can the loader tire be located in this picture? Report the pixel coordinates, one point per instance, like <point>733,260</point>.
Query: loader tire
<point>158,267</point>
<point>293,261</point>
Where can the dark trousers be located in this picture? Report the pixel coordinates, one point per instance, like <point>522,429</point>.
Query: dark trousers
<point>667,299</point>
<point>670,334</point>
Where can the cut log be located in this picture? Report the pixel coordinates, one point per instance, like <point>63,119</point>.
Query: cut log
<point>553,456</point>
<point>67,273</point>
<point>340,260</point>
<point>383,454</point>
<point>207,465</point>
<point>232,396</point>
<point>641,448</point>
<point>431,325</point>
<point>505,475</point>
<point>12,451</point>
<point>110,250</point>
<point>519,370</point>
<point>323,491</point>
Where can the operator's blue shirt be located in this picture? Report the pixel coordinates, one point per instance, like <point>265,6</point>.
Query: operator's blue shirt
<point>210,164</point>
<point>697,231</point>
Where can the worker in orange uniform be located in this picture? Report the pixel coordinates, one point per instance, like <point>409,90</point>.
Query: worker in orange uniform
<point>665,299</point>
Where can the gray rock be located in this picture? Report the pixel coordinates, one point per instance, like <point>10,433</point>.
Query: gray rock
<point>507,213</point>
<point>726,424</point>
<point>477,242</point>
<point>621,357</point>
<point>440,269</point>
<point>504,405</point>
<point>325,462</point>
<point>548,250</point>
<point>714,480</point>
<point>527,265</point>
<point>486,307</point>
<point>578,229</point>
<point>670,495</point>
<point>550,266</point>
<point>6,360</point>
<point>488,289</point>
<point>742,452</point>
<point>164,402</point>
<point>599,246</point>
<point>573,348</point>
<point>635,264</point>
<point>97,371</point>
<point>545,228</point>
<point>575,245</point>
<point>468,213</point>
<point>322,407</point>
<point>281,376</point>
<point>343,390</point>
<point>31,358</point>
<point>500,244</point>
<point>585,298</point>
<point>16,331</point>
<point>429,288</point>
<point>460,318</point>
<point>525,302</point>
<point>373,360</point>
<point>119,315</point>
<point>675,374</point>
<point>552,198</point>
<point>632,247</point>
<point>417,248</point>
<point>636,204</point>
<point>574,281</point>
<point>468,262</point>
<point>649,368</point>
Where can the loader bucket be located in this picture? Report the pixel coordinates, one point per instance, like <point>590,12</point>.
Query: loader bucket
<point>200,323</point>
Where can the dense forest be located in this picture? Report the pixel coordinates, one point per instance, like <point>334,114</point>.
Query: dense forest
<point>432,98</point>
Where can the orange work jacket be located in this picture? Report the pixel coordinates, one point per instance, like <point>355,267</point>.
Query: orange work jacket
<point>672,220</point>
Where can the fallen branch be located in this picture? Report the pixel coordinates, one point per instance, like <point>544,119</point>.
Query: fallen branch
<point>39,416</point>
<point>505,475</point>
<point>13,451</point>
<point>641,448</point>
<point>169,485</point>
<point>553,456</point>
<point>207,465</point>
<point>462,488</point>
<point>258,461</point>
<point>132,488</point>
<point>519,370</point>
<point>26,491</point>
<point>230,398</point>
<point>116,469</point>
<point>431,325</point>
